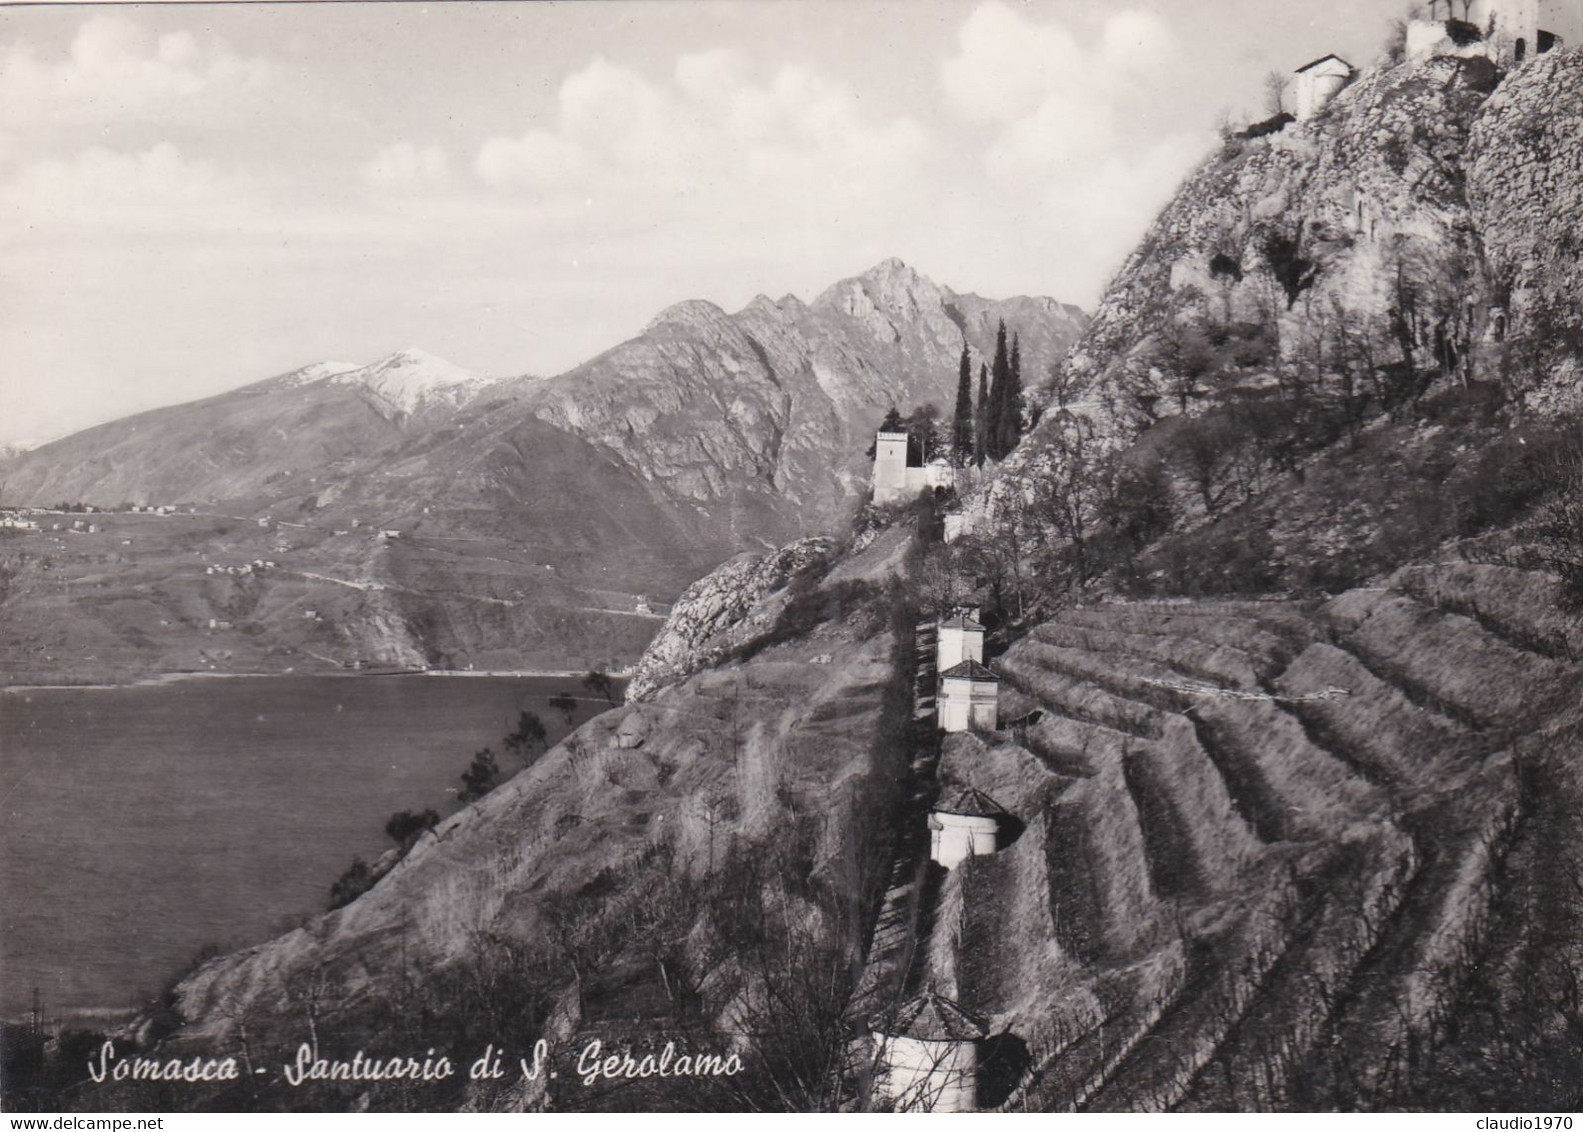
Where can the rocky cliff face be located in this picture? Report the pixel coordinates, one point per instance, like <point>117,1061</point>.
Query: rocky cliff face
<point>1398,272</point>
<point>1524,166</point>
<point>1439,184</point>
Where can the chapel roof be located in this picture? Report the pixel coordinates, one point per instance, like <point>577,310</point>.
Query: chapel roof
<point>932,1018</point>
<point>1324,59</point>
<point>968,802</point>
<point>969,670</point>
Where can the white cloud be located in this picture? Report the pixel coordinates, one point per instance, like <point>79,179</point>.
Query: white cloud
<point>406,164</point>
<point>714,142</point>
<point>114,67</point>
<point>1072,122</point>
<point>1006,65</point>
<point>538,159</point>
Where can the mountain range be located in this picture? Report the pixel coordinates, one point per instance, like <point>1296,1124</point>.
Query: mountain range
<point>533,513</point>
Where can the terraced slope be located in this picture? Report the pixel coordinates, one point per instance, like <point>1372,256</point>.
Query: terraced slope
<point>1282,855</point>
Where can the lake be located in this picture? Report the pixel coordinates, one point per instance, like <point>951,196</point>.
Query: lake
<point>141,823</point>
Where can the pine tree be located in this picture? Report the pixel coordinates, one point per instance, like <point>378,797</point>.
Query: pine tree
<point>981,419</point>
<point>962,426</point>
<point>1000,375</point>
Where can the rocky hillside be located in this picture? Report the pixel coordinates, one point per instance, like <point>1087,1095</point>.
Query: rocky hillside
<point>534,516</point>
<point>1344,346</point>
<point>1427,216</point>
<point>1280,853</point>
<point>1255,856</point>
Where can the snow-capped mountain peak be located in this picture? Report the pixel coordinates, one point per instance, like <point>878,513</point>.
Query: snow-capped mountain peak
<point>413,379</point>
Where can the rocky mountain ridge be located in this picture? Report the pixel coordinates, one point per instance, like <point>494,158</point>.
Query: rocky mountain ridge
<point>770,407</point>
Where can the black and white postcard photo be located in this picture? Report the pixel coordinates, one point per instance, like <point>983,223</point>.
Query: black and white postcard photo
<point>791,556</point>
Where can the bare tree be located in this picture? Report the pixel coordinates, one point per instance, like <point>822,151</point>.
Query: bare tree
<point>1063,384</point>
<point>1275,93</point>
<point>1064,497</point>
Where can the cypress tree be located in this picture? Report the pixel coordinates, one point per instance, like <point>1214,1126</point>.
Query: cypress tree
<point>962,425</point>
<point>981,421</point>
<point>1011,404</point>
<point>1000,375</point>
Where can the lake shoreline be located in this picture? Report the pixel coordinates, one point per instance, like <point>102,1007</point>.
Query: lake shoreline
<point>166,678</point>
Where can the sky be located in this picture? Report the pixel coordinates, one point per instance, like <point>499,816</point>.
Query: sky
<point>194,197</point>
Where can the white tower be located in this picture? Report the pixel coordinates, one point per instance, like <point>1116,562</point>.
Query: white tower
<point>959,637</point>
<point>890,467</point>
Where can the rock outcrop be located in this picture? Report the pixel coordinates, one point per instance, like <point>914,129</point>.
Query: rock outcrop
<point>1417,235</point>
<point>636,878</point>
<point>721,612</point>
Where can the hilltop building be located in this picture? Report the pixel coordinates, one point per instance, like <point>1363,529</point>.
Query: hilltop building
<point>896,479</point>
<point>964,823</point>
<point>959,637</point>
<point>927,1057</point>
<point>969,698</point>
<point>1506,32</point>
<point>1320,81</point>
